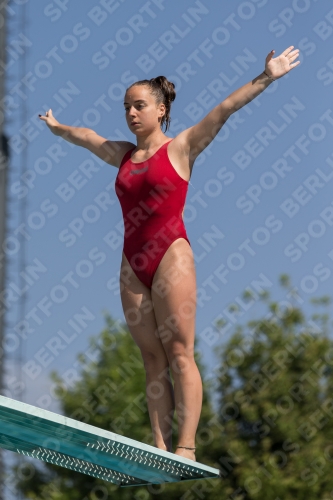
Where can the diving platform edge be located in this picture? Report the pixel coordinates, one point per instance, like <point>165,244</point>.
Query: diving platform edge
<point>82,447</point>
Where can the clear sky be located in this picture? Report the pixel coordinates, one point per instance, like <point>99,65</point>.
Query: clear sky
<point>260,201</point>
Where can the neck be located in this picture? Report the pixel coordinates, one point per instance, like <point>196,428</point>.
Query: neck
<point>151,141</point>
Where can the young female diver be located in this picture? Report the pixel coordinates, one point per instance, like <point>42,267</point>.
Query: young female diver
<point>157,265</point>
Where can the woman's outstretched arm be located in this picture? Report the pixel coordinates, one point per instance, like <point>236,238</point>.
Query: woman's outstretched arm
<point>198,137</point>
<point>109,151</point>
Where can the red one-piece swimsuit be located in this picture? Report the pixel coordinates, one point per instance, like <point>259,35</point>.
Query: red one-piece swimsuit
<point>152,197</point>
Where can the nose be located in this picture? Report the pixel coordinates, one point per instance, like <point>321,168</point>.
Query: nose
<point>131,111</point>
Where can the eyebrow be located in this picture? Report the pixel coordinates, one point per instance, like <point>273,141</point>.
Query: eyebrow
<point>139,100</point>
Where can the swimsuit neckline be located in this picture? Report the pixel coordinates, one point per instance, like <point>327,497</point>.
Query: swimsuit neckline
<point>147,159</point>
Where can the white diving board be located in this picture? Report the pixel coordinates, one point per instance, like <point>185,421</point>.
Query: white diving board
<point>63,441</point>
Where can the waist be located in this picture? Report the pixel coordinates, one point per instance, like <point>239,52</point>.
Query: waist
<point>154,228</point>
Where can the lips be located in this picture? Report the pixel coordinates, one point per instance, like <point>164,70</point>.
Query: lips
<point>134,123</point>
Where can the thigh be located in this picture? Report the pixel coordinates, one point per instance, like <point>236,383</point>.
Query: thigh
<point>174,298</point>
<point>139,314</point>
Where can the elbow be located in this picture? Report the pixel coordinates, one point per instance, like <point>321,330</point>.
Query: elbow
<point>228,109</point>
<point>83,140</point>
<point>85,132</point>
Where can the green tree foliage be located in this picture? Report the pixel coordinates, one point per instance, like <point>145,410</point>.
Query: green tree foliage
<point>276,406</point>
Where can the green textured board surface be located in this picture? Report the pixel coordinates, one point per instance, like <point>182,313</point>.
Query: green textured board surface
<point>84,448</point>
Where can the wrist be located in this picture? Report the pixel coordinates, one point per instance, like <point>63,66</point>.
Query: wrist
<point>57,129</point>
<point>268,76</point>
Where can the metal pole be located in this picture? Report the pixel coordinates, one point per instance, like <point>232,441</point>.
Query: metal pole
<point>3,213</point>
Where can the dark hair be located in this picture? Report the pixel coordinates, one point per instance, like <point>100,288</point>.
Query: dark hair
<point>163,91</point>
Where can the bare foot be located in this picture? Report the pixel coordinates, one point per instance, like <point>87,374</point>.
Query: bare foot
<point>182,452</point>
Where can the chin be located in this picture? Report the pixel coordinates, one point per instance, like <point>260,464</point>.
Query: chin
<point>141,131</point>
<point>137,132</point>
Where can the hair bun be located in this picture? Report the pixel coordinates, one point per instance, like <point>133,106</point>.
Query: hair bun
<point>168,88</point>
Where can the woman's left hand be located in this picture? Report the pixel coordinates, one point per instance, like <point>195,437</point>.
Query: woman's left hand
<point>279,66</point>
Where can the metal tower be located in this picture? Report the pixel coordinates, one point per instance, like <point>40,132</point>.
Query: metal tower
<point>13,49</point>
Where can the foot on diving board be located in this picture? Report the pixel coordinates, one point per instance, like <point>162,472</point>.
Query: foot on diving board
<point>63,441</point>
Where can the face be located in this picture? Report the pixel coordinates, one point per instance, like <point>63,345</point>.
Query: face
<point>143,115</point>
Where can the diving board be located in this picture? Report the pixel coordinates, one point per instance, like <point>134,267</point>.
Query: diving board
<point>63,441</point>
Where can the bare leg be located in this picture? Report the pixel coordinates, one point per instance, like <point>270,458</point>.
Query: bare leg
<point>174,298</point>
<point>137,303</point>
<point>188,399</point>
<point>161,405</point>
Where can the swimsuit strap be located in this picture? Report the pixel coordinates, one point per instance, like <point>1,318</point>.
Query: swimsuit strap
<point>126,157</point>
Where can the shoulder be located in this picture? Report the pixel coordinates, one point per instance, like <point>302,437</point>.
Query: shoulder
<point>180,147</point>
<point>111,152</point>
<point>179,156</point>
<point>123,147</point>
<point>179,144</point>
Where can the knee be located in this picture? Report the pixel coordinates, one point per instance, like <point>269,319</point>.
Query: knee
<point>153,362</point>
<point>181,360</point>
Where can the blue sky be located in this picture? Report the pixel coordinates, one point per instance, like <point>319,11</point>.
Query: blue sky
<point>263,187</point>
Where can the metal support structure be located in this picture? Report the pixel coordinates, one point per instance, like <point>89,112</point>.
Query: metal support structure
<point>3,213</point>
<point>13,67</point>
<point>3,185</point>
<point>84,448</point>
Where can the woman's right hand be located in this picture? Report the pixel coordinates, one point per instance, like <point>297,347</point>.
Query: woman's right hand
<point>51,122</point>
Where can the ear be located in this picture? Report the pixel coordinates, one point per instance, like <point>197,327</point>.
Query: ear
<point>162,109</point>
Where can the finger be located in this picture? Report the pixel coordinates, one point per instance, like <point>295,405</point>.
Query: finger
<point>293,65</point>
<point>296,51</point>
<point>293,58</point>
<point>285,52</point>
<point>270,55</point>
